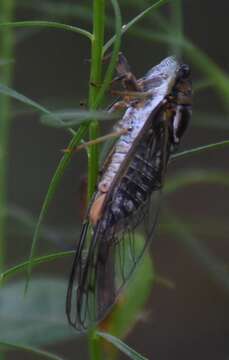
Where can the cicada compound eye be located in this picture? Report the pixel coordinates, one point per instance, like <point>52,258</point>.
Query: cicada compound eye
<point>184,71</point>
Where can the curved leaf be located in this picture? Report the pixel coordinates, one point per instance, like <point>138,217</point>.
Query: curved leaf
<point>125,349</point>
<point>42,353</point>
<point>197,150</point>
<point>71,117</point>
<point>36,261</point>
<point>65,160</point>
<point>134,21</point>
<point>5,90</point>
<point>47,24</point>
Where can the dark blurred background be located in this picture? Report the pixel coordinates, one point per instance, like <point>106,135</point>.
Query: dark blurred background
<point>191,320</point>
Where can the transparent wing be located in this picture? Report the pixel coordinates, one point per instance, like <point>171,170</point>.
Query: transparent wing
<point>106,259</point>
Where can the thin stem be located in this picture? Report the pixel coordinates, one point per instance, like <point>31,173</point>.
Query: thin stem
<point>95,82</point>
<point>94,345</point>
<point>214,146</point>
<point>93,154</point>
<point>46,24</point>
<point>6,48</point>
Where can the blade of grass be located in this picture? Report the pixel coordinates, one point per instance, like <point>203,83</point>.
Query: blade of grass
<point>137,18</point>
<point>156,17</point>
<point>125,349</point>
<point>5,90</point>
<point>195,151</point>
<point>48,25</point>
<point>70,118</point>
<point>50,193</point>
<point>30,349</point>
<point>36,261</point>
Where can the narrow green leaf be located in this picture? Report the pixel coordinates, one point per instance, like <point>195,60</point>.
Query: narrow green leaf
<point>196,176</point>
<point>134,21</point>
<point>5,90</point>
<point>125,349</point>
<point>71,117</point>
<point>47,24</point>
<point>214,146</point>
<point>65,160</point>
<point>36,261</point>
<point>42,353</point>
<point>156,18</point>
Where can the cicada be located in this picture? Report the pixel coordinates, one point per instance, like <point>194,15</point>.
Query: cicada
<point>126,202</point>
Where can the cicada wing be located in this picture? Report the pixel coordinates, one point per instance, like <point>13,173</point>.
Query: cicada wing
<point>127,246</point>
<point>105,260</point>
<point>75,276</point>
<point>101,271</point>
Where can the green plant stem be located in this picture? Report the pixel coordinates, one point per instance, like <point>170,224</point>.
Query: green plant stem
<point>6,49</point>
<point>45,24</point>
<point>94,345</point>
<point>95,82</point>
<point>93,154</point>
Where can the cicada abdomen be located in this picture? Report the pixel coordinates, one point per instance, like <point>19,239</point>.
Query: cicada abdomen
<point>126,202</point>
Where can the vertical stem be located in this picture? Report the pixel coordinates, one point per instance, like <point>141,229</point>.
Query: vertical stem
<point>177,26</point>
<point>95,350</point>
<point>93,158</point>
<point>95,83</point>
<point>6,49</point>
